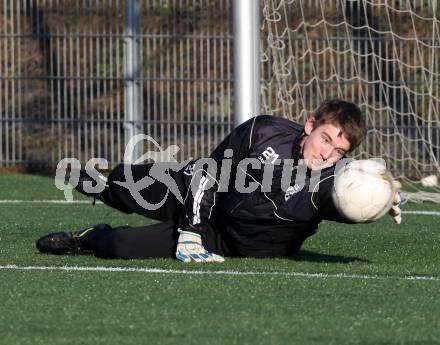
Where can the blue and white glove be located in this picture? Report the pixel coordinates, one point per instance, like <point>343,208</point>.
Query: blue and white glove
<point>190,249</point>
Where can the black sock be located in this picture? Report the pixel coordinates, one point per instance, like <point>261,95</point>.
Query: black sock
<point>89,237</point>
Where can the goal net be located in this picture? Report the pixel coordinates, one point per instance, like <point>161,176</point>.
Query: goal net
<point>383,55</point>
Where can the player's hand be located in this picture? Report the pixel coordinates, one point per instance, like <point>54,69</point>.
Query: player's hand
<point>396,211</point>
<point>190,249</point>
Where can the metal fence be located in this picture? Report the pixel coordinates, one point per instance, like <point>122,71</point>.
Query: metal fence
<point>62,77</point>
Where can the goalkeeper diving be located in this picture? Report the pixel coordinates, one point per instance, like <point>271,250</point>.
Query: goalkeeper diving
<point>214,219</point>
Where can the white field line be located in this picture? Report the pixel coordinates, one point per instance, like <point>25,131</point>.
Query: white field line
<point>427,213</point>
<point>227,273</point>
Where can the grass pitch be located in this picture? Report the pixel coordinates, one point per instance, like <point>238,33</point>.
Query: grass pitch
<point>361,284</point>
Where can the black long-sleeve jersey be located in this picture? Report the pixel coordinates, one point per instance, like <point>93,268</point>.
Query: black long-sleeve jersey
<point>276,217</point>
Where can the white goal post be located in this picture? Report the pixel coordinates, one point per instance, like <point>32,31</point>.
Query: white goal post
<point>383,55</point>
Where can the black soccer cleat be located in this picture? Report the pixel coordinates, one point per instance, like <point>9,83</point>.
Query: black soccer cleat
<point>100,180</point>
<point>60,243</point>
<point>103,196</point>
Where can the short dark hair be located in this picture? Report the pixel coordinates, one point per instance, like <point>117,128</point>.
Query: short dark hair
<point>345,115</point>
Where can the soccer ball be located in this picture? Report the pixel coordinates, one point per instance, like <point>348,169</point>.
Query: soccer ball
<point>363,191</point>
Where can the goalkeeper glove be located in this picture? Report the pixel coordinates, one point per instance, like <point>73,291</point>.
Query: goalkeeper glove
<point>190,249</point>
<point>396,211</point>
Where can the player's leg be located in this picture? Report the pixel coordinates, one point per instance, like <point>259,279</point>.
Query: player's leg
<point>85,181</point>
<point>151,241</point>
<point>158,200</point>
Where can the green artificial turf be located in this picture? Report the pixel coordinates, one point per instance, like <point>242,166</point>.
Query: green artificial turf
<point>351,284</point>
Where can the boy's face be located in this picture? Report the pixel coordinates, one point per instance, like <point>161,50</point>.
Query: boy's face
<point>323,146</point>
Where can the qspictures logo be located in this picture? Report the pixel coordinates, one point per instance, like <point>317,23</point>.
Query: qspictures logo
<point>163,160</point>
<point>205,173</point>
